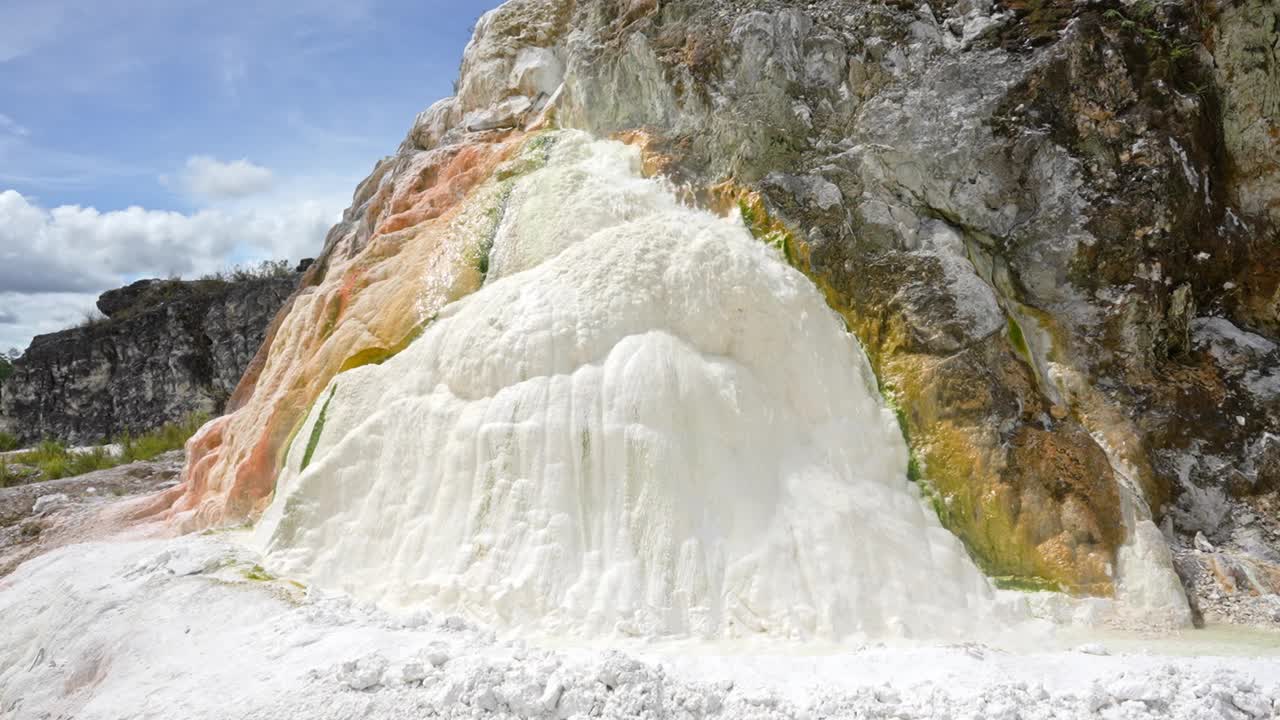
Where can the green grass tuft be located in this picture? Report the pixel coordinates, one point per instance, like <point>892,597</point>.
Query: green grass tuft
<point>9,477</point>
<point>55,460</point>
<point>171,436</point>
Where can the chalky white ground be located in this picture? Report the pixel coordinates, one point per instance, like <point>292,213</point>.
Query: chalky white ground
<point>164,629</point>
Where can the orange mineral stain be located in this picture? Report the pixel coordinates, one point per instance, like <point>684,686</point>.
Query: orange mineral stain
<point>381,275</point>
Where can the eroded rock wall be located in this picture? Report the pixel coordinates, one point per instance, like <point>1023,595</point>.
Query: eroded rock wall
<point>165,349</point>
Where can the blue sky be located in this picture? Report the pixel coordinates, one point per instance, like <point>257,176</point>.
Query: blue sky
<point>158,137</point>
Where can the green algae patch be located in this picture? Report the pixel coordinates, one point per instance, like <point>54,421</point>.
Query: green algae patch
<point>479,255</point>
<point>332,313</point>
<point>1018,340</point>
<point>316,430</point>
<point>1026,584</point>
<point>378,355</point>
<point>914,473</point>
<point>763,225</point>
<point>767,229</point>
<point>533,156</point>
<point>258,574</point>
<point>915,470</point>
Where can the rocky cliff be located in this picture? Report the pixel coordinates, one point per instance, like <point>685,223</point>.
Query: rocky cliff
<point>1052,225</point>
<point>164,349</point>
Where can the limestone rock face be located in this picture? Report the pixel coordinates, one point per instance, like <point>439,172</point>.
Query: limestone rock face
<point>1050,224</point>
<point>1247,64</point>
<point>165,350</point>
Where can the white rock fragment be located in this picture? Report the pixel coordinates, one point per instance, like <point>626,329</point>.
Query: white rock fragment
<point>413,672</point>
<point>437,655</point>
<point>506,114</point>
<point>364,673</point>
<point>551,695</point>
<point>537,71</point>
<point>46,503</point>
<point>1202,543</point>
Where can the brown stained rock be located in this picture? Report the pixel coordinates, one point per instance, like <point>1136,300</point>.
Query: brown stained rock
<point>1027,501</point>
<point>1070,496</point>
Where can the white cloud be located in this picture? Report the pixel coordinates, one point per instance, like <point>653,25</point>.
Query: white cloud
<point>211,179</point>
<point>54,261</point>
<point>39,314</point>
<point>9,126</point>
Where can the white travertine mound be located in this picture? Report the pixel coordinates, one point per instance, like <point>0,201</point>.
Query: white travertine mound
<point>644,423</point>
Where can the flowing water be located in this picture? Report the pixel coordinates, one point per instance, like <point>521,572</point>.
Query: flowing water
<point>645,423</point>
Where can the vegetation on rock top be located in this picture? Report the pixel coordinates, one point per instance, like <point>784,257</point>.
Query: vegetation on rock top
<point>53,460</point>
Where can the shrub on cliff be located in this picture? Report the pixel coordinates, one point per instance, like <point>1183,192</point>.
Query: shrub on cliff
<point>265,270</point>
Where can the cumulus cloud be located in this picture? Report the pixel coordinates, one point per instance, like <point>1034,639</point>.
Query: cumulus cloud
<point>53,262</point>
<point>211,179</point>
<point>9,126</point>
<point>38,314</point>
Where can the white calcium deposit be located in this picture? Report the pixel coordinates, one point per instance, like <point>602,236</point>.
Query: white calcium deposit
<point>645,423</point>
<point>189,628</point>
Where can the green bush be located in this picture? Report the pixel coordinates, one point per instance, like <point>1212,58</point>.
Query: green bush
<point>55,460</point>
<point>265,270</point>
<point>172,436</point>
<point>8,442</point>
<point>84,462</point>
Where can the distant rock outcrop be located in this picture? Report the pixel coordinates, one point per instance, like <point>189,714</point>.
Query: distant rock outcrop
<point>163,350</point>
